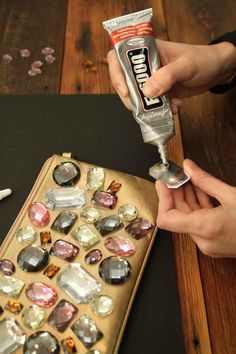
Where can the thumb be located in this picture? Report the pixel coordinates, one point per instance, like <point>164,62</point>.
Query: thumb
<point>206,182</point>
<point>165,78</point>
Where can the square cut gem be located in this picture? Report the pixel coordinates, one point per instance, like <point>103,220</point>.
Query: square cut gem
<point>95,178</point>
<point>65,198</point>
<point>85,237</point>
<point>12,335</point>
<point>79,284</point>
<point>10,286</point>
<point>87,331</point>
<point>64,222</point>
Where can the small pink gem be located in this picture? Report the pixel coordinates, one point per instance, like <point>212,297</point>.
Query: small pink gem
<point>35,72</point>
<point>139,228</point>
<point>41,294</point>
<point>50,59</point>
<point>38,214</point>
<point>36,64</point>
<point>47,50</point>
<point>7,267</point>
<point>120,246</point>
<point>104,199</point>
<point>25,53</point>
<point>6,58</point>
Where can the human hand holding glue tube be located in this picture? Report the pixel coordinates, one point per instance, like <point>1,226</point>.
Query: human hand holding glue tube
<point>189,70</point>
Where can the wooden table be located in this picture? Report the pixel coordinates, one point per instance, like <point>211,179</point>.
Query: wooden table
<point>206,286</point>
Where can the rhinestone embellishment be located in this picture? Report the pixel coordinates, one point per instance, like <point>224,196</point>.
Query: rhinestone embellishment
<point>87,331</point>
<point>64,222</point>
<point>85,237</point>
<point>114,270</point>
<point>66,174</point>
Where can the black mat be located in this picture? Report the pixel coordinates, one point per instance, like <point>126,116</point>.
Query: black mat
<point>97,129</point>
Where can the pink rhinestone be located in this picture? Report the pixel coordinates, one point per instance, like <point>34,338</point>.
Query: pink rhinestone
<point>36,64</point>
<point>120,246</point>
<point>50,59</point>
<point>6,58</point>
<point>38,214</point>
<point>139,228</point>
<point>35,72</point>
<point>47,50</point>
<point>25,53</point>
<point>41,294</point>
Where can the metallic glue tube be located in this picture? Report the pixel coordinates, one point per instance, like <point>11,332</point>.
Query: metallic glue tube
<point>133,39</point>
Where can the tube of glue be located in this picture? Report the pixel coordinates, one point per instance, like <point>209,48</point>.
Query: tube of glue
<point>133,39</point>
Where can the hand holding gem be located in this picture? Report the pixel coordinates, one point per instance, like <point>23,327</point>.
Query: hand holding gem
<point>189,210</point>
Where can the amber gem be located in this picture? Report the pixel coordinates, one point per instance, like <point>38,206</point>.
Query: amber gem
<point>114,187</point>
<point>13,306</point>
<point>51,270</point>
<point>68,345</point>
<point>45,237</point>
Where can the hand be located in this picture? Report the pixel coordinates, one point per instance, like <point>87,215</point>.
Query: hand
<point>189,210</point>
<point>187,70</point>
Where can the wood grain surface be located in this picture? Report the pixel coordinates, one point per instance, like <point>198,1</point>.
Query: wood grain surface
<point>33,25</point>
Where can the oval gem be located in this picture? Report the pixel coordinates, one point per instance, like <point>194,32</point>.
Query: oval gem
<point>66,174</point>
<point>41,294</point>
<point>41,342</point>
<point>38,214</point>
<point>139,228</point>
<point>7,267</point>
<point>93,256</point>
<point>121,246</point>
<point>26,235</point>
<point>114,270</point>
<point>90,215</point>
<point>33,259</point>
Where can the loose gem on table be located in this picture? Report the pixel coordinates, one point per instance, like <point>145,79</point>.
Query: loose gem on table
<point>104,199</point>
<point>85,237</point>
<point>90,215</point>
<point>6,58</point>
<point>68,345</point>
<point>33,317</point>
<point>51,270</point>
<point>93,257</point>
<point>41,342</point>
<point>13,306</point>
<point>34,72</point>
<point>109,224</point>
<point>62,315</point>
<point>95,178</point>
<point>102,305</point>
<point>38,214</point>
<point>26,235</point>
<point>64,222</point>
<point>41,294</point>
<point>45,237</point>
<point>121,246</point>
<point>47,50</point>
<point>66,174</point>
<point>33,259</point>
<point>79,284</point>
<point>87,331</point>
<point>36,64</point>
<point>7,267</point>
<point>25,53</point>
<point>128,212</point>
<point>65,198</point>
<point>64,250</point>
<point>139,228</point>
<point>12,336</point>
<point>114,270</point>
<point>50,58</point>
<point>114,187</point>
<point>10,286</point>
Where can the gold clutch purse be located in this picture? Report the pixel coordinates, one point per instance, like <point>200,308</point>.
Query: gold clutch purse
<point>72,262</point>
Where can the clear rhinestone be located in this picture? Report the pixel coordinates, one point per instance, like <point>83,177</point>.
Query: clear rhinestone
<point>12,335</point>
<point>66,174</point>
<point>128,212</point>
<point>114,270</point>
<point>85,237</point>
<point>33,317</point>
<point>65,198</point>
<point>26,235</point>
<point>41,342</point>
<point>87,331</point>
<point>64,222</point>
<point>62,315</point>
<point>95,178</point>
<point>102,305</point>
<point>90,215</point>
<point>108,224</point>
<point>80,285</point>
<point>33,259</point>
<point>10,286</point>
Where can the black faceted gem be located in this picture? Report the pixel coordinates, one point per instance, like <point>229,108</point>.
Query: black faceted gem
<point>115,270</point>
<point>109,224</point>
<point>41,342</point>
<point>33,259</point>
<point>66,174</point>
<point>64,222</point>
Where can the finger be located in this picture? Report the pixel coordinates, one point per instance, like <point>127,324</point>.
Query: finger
<point>179,199</point>
<point>203,198</point>
<point>116,74</point>
<point>126,101</point>
<point>166,200</point>
<point>190,196</point>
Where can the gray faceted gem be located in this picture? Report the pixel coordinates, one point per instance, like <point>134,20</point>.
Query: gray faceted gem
<point>66,174</point>
<point>33,259</point>
<point>12,335</point>
<point>114,270</point>
<point>87,331</point>
<point>109,224</point>
<point>41,342</point>
<point>64,222</point>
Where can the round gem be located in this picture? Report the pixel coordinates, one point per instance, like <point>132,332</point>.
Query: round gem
<point>26,235</point>
<point>41,343</point>
<point>38,214</point>
<point>66,174</point>
<point>121,246</point>
<point>50,59</point>
<point>25,53</point>
<point>128,212</point>
<point>102,305</point>
<point>93,256</point>
<point>41,294</point>
<point>33,317</point>
<point>7,267</point>
<point>90,215</point>
<point>114,270</point>
<point>33,259</point>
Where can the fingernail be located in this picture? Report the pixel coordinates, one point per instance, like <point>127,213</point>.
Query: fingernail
<point>123,91</point>
<point>152,89</point>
